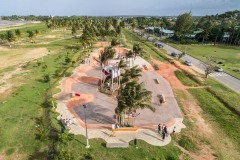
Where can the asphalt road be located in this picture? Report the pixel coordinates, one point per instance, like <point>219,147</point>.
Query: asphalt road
<point>221,77</point>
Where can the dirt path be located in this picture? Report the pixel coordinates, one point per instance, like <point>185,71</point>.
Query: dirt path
<point>102,44</point>
<point>124,38</point>
<point>190,105</point>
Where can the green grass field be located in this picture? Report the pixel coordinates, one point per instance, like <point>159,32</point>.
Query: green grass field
<point>39,26</point>
<point>185,79</point>
<point>145,151</point>
<point>217,112</point>
<point>227,57</point>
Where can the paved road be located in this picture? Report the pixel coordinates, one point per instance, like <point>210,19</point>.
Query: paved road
<point>221,77</point>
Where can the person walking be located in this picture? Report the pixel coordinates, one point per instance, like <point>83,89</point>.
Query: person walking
<point>159,128</point>
<point>165,130</point>
<point>74,120</point>
<point>163,135</point>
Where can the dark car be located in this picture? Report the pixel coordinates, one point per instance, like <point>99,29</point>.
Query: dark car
<point>218,69</point>
<point>188,63</point>
<point>174,54</point>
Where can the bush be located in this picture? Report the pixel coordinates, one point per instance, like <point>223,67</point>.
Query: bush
<point>58,72</point>
<point>10,151</point>
<point>46,78</point>
<point>87,156</point>
<point>188,41</point>
<point>44,67</point>
<point>39,63</point>
<point>67,60</point>
<point>114,42</point>
<point>155,67</point>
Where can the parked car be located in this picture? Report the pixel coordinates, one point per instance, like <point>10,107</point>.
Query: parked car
<point>188,63</point>
<point>218,69</point>
<point>174,54</point>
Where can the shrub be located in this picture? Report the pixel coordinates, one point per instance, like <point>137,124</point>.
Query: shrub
<point>87,156</point>
<point>155,67</point>
<point>188,41</point>
<point>46,78</point>
<point>10,151</point>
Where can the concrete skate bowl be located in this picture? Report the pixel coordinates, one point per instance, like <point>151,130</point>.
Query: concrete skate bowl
<point>89,80</point>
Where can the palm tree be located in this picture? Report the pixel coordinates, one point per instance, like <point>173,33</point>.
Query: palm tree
<point>134,96</point>
<point>129,55</point>
<point>103,58</point>
<point>31,34</point>
<point>131,74</point>
<point>133,25</point>
<point>121,65</point>
<point>137,50</point>
<point>18,33</point>
<point>10,37</point>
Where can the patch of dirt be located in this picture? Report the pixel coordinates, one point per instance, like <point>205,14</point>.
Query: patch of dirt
<point>2,157</point>
<point>3,48</point>
<point>167,71</point>
<point>16,57</point>
<point>102,44</point>
<point>51,36</point>
<point>124,38</point>
<point>5,84</point>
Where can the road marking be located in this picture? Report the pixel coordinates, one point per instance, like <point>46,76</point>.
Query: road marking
<point>217,74</point>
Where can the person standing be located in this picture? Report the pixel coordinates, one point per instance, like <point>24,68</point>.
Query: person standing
<point>163,135</point>
<point>165,130</point>
<point>159,128</point>
<point>74,120</point>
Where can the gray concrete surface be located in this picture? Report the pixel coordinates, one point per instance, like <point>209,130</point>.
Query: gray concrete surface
<point>165,112</point>
<point>101,110</point>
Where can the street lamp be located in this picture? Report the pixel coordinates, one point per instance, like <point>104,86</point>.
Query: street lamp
<point>84,106</point>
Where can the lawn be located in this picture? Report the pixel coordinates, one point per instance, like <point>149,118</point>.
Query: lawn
<point>185,79</point>
<point>228,97</point>
<point>218,113</point>
<point>227,57</point>
<point>145,151</point>
<point>32,27</point>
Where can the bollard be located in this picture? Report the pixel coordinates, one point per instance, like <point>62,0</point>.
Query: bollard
<point>136,143</point>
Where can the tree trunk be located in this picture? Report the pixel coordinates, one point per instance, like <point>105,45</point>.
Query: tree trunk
<point>101,76</point>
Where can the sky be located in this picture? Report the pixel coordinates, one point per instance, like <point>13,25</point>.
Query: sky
<point>116,7</point>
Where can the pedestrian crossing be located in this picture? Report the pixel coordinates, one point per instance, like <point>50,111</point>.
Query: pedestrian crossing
<point>218,74</point>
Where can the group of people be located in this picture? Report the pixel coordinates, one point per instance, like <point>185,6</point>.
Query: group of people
<point>67,122</point>
<point>162,130</point>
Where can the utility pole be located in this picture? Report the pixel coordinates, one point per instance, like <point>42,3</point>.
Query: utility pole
<point>87,145</point>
